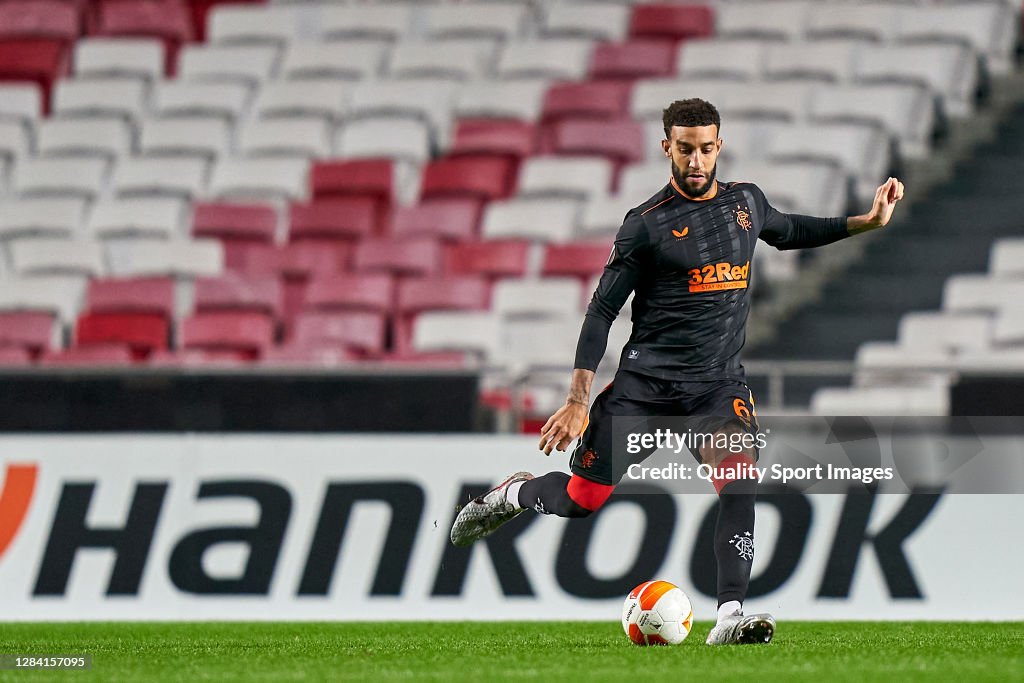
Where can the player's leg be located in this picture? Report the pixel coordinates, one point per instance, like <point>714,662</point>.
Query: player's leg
<point>732,410</point>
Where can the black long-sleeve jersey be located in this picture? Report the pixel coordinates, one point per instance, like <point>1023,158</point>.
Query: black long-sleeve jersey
<point>689,262</point>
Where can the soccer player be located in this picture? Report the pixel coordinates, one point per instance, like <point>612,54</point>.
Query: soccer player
<point>686,254</point>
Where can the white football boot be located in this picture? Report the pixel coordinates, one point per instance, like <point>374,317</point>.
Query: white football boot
<point>484,514</point>
<point>737,629</point>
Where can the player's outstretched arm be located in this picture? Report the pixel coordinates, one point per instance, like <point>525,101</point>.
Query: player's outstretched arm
<point>886,196</point>
<point>570,420</point>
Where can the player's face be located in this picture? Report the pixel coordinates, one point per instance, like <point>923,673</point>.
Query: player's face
<point>694,154</point>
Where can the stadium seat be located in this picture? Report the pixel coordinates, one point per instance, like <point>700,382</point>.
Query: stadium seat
<point>185,178</point>
<point>174,258</point>
<point>829,61</point>
<point>581,260</point>
<point>498,22</point>
<point>650,96</point>
<point>464,331</point>
<point>205,138</point>
<point>736,59</point>
<point>544,59</point>
<point>100,97</point>
<point>141,333</point>
<point>296,262</point>
<point>97,355</point>
<point>364,332</point>
<point>967,293</point>
<point>359,291</point>
<point>989,28</point>
<point>259,178</point>
<point>237,292</point>
<point>539,219</point>
<point>366,22</point>
<point>167,21</point>
<point>875,21</point>
<point>62,177</point>
<point>41,61</point>
<point>108,139</point>
<point>243,334</point>
<point>458,60</point>
<point>494,137</point>
<point>289,355</point>
<point>419,295</point>
<point>239,227</point>
<point>42,217</point>
<point>252,24</point>
<point>57,294</point>
<point>597,100</point>
<point>335,224</point>
<point>139,59</point>
<point>518,100</point>
<point>786,101</point>
<point>872,401</point>
<point>156,217</point>
<point>783,20</point>
<point>631,60</point>
<point>1006,258</point>
<point>809,188</point>
<point>15,141</point>
<point>388,138</point>
<point>418,256</point>
<point>548,297</point>
<point>574,177</point>
<point>180,98</point>
<point>602,216</point>
<point>530,344</point>
<point>594,20</point>
<point>644,180</point>
<point>151,295</point>
<point>361,177</point>
<point>32,331</point>
<point>882,362</point>
<point>247,64</point>
<point>949,331</point>
<point>56,257</point>
<point>343,61</point>
<point>445,218</point>
<point>492,259</point>
<point>620,142</point>
<point>669,21</point>
<point>422,100</point>
<point>324,99</point>
<point>20,102</point>
<point>468,177</point>
<point>34,19</point>
<point>904,111</point>
<point>301,138</point>
<point>1008,327</point>
<point>949,70</point>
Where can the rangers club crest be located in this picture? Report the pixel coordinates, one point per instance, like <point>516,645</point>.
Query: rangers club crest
<point>744,545</point>
<point>742,215</point>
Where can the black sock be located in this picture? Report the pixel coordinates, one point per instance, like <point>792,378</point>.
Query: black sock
<point>547,494</point>
<point>734,539</point>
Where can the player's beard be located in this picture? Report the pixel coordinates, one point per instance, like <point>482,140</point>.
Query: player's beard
<point>681,181</point>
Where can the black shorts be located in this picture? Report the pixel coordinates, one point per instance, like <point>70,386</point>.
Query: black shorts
<point>709,405</point>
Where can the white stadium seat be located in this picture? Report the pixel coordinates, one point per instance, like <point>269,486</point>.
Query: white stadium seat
<point>952,331</point>
<point>402,139</point>
<point>811,188</point>
<point>949,70</point>
<point>252,24</point>
<point>732,58</point>
<point>30,257</point>
<point>547,297</point>
<point>159,217</point>
<point>347,60</point>
<point>303,138</point>
<point>429,100</point>
<point>248,64</point>
<point>178,98</point>
<point>130,58</point>
<point>21,102</point>
<point>366,22</point>
<point>323,98</point>
<point>521,100</point>
<point>643,180</point>
<point>454,60</point>
<point>1007,257</point>
<point>538,59</point>
<point>498,22</point>
<point>594,20</point>
<point>903,111</point>
<point>895,360</point>
<point>981,292</point>
<point>177,258</point>
<point>207,138</point>
<point>999,361</point>
<point>784,20</point>
<point>780,101</point>
<point>63,177</point>
<point>748,139</point>
<point>604,215</point>
<point>15,141</point>
<point>184,177</point>
<point>468,331</point>
<point>878,401</point>
<point>564,176</point>
<point>105,97</point>
<point>990,28</point>
<point>542,220</point>
<point>875,21</point>
<point>832,61</point>
<point>41,217</point>
<point>258,178</point>
<point>538,343</point>
<point>107,138</point>
<point>650,96</point>
<point>62,295</point>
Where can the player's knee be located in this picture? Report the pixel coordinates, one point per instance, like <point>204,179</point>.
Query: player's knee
<point>586,496</point>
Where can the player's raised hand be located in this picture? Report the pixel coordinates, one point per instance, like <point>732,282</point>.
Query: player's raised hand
<point>563,427</point>
<point>886,196</point>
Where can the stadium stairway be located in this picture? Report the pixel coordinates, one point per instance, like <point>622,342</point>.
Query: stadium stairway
<point>948,229</point>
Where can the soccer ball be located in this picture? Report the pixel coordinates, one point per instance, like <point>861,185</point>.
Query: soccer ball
<point>657,613</point>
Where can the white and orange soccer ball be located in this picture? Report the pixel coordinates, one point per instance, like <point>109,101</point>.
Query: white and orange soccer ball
<point>657,613</point>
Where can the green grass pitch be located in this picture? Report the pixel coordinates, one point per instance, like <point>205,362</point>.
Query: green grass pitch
<point>516,651</point>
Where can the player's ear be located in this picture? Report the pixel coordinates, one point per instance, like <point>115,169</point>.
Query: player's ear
<point>665,147</point>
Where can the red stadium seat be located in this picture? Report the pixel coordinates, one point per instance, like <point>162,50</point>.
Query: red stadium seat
<point>141,333</point>
<point>481,177</point>
<point>494,137</point>
<point>446,218</point>
<point>582,259</point>
<point>369,291</point>
<point>671,21</point>
<point>331,220</point>
<point>593,99</point>
<point>238,226</point>
<point>462,293</point>
<point>362,331</point>
<point>493,259</point>
<point>359,177</point>
<point>417,256</point>
<point>131,295</point>
<point>28,19</point>
<point>295,264</point>
<point>322,356</point>
<point>621,141</point>
<point>166,20</point>
<point>41,61</point>
<point>30,331</point>
<point>237,292</point>
<point>13,356</point>
<point>244,335</point>
<point>100,354</point>
<point>633,59</point>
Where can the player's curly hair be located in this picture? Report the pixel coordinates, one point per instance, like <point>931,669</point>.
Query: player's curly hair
<point>690,113</point>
